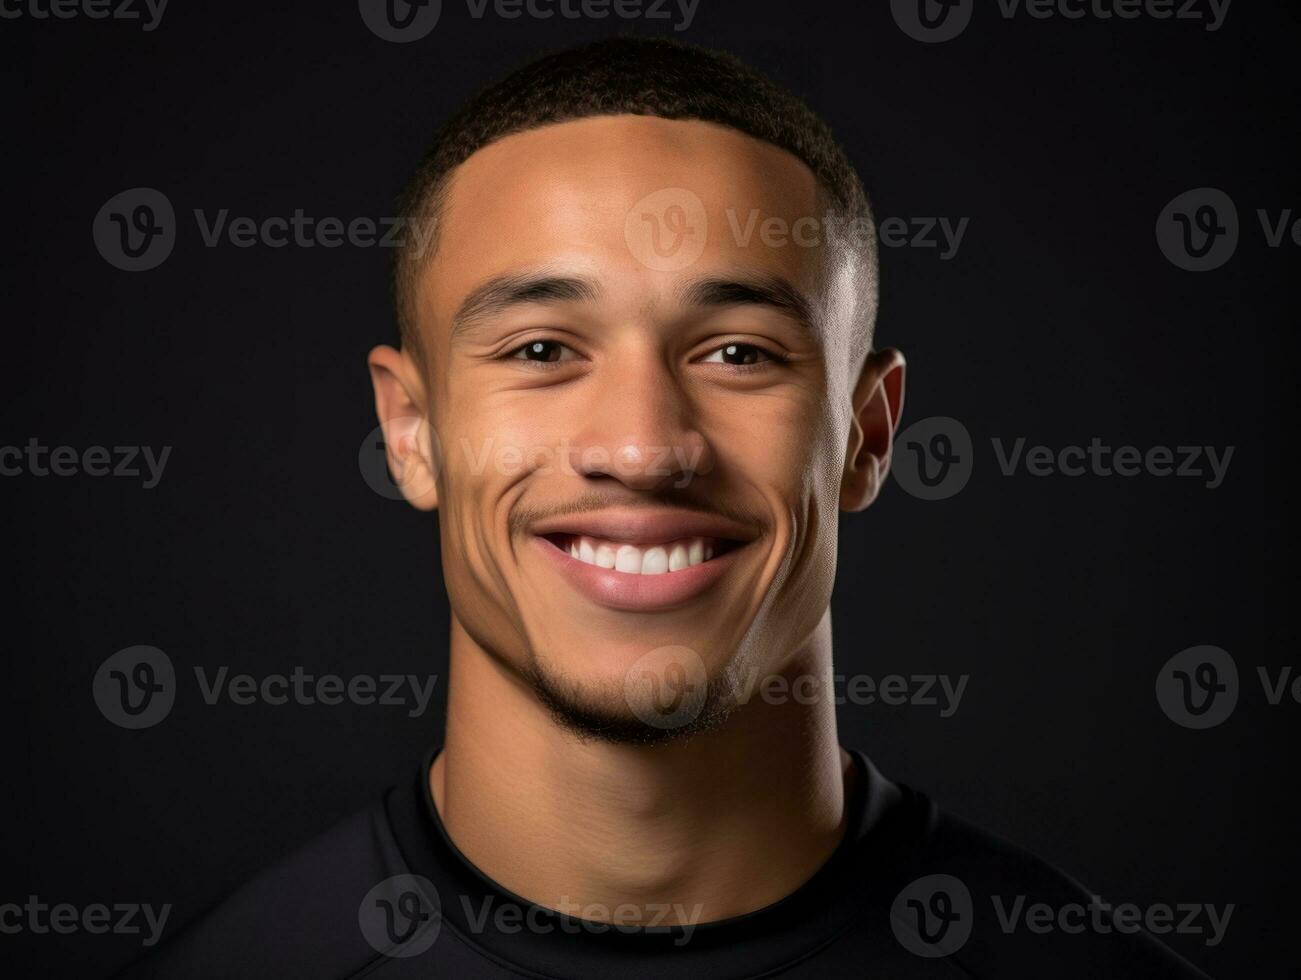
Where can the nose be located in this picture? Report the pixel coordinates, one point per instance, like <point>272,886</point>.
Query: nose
<point>639,428</point>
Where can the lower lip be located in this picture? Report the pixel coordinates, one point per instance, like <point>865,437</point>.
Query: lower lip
<point>633,592</point>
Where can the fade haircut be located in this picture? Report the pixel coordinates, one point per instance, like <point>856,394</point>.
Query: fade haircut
<point>632,76</point>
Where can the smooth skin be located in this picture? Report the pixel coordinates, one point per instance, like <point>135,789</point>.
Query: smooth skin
<point>649,394</point>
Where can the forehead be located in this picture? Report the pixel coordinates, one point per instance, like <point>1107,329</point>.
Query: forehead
<point>636,203</point>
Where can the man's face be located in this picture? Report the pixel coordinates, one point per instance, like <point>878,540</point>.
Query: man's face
<point>640,410</point>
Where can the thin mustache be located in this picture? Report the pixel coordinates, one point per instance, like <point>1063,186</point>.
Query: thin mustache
<point>524,518</point>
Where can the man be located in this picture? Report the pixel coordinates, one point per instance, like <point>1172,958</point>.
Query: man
<point>637,384</point>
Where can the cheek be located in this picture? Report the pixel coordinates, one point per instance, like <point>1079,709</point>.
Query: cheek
<point>489,444</point>
<point>796,463</point>
<point>786,447</point>
<point>492,446</point>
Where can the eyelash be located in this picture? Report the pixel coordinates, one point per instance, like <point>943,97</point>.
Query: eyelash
<point>769,356</point>
<point>514,353</point>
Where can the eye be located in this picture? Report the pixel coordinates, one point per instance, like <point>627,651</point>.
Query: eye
<point>740,355</point>
<point>543,352</point>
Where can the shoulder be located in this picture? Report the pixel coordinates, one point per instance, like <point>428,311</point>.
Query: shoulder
<point>298,917</point>
<point>995,909</point>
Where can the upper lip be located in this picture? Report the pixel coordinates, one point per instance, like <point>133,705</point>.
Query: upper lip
<point>644,526</point>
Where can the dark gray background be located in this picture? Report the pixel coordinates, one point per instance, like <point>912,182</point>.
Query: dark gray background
<point>263,548</point>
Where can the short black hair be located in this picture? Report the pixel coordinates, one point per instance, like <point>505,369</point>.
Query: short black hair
<point>627,76</point>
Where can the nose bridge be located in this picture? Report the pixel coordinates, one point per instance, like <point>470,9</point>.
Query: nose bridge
<point>640,426</point>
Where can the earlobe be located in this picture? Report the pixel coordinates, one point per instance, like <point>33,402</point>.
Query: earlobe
<point>409,442</point>
<point>877,406</point>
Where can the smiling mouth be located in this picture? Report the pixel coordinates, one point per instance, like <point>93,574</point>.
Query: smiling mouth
<point>642,559</point>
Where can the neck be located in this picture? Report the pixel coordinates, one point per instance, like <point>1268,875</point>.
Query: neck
<point>721,824</point>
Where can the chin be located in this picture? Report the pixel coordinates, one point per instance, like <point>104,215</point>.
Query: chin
<point>633,693</point>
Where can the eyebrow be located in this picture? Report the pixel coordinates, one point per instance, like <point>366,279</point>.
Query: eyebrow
<point>503,292</point>
<point>499,294</point>
<point>762,290</point>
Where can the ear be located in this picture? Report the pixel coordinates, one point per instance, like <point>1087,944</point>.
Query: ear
<point>877,404</point>
<point>401,406</point>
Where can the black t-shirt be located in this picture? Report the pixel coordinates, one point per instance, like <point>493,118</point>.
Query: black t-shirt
<point>910,892</point>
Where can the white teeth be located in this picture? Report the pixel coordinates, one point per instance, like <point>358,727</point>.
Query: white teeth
<point>627,559</point>
<point>655,560</point>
